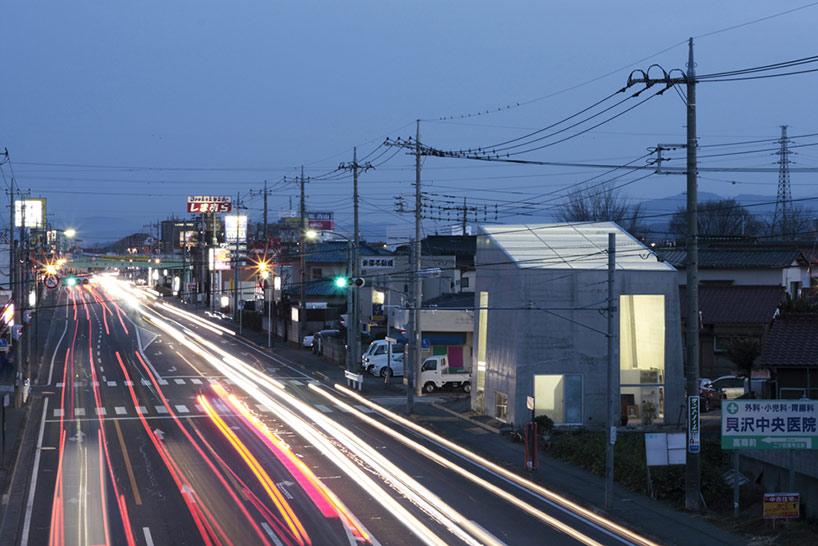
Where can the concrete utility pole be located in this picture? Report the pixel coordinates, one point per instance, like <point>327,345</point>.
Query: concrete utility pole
<point>693,467</point>
<point>265,213</point>
<point>416,268</point>
<point>613,375</point>
<point>302,305</point>
<point>235,252</point>
<point>353,294</point>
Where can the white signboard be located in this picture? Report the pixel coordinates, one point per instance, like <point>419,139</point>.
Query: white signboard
<point>235,228</point>
<point>209,203</point>
<point>662,449</point>
<point>33,213</point>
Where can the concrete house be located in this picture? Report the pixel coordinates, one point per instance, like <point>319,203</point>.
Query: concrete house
<point>539,330</point>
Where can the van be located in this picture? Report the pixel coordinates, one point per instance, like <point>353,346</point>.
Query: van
<point>377,352</point>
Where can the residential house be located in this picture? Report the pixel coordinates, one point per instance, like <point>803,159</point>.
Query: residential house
<point>540,330</point>
<point>791,355</point>
<point>728,311</point>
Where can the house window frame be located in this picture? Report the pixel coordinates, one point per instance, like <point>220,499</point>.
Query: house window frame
<point>498,404</point>
<point>581,398</point>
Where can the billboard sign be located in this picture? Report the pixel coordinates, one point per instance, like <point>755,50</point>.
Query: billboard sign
<point>769,424</point>
<point>34,213</point>
<point>219,259</point>
<point>781,505</point>
<point>235,228</point>
<point>209,203</point>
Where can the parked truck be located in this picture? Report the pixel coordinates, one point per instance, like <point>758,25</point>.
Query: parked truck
<point>436,374</point>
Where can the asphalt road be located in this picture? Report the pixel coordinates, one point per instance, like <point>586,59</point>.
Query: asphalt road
<point>162,429</point>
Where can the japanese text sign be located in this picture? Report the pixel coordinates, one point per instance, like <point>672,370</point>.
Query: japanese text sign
<point>781,505</point>
<point>769,424</point>
<point>209,203</point>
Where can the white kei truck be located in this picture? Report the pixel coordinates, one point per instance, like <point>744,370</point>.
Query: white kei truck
<point>436,374</point>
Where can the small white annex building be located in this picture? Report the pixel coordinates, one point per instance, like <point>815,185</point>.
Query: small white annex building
<point>539,330</point>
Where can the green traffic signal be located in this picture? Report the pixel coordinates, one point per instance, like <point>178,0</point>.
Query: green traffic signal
<point>71,281</point>
<point>341,282</point>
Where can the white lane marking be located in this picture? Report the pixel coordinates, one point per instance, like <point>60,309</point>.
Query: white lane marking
<point>33,487</point>
<point>79,412</point>
<point>322,408</point>
<point>364,409</point>
<point>129,383</point>
<point>341,408</point>
<point>221,406</point>
<point>120,410</point>
<point>162,381</point>
<point>296,382</point>
<point>146,382</point>
<point>179,381</point>
<point>212,380</point>
<point>112,383</point>
<point>262,407</point>
<point>51,368</point>
<point>199,408</point>
<point>141,410</point>
<point>271,534</point>
<point>161,409</point>
<point>95,383</point>
<point>181,408</point>
<point>58,413</point>
<point>101,411</point>
<point>196,381</point>
<point>148,538</point>
<point>59,385</point>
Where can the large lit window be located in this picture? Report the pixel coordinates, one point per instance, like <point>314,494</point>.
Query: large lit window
<point>559,397</point>
<point>642,353</point>
<point>482,330</point>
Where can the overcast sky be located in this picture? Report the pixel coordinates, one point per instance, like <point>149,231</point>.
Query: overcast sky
<point>116,111</point>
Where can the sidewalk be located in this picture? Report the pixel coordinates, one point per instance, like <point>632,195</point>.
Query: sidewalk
<point>653,519</point>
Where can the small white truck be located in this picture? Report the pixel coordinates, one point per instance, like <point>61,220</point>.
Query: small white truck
<point>435,374</point>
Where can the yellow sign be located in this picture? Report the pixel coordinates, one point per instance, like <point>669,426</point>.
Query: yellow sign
<point>781,505</point>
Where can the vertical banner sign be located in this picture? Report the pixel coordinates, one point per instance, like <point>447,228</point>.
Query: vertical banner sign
<point>693,425</point>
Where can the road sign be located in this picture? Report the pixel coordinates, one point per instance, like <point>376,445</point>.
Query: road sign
<point>781,505</point>
<point>769,424</point>
<point>693,425</point>
<point>51,281</point>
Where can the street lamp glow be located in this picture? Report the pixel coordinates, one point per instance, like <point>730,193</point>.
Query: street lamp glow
<point>70,232</point>
<point>225,301</point>
<point>51,269</point>
<point>32,299</point>
<point>311,234</point>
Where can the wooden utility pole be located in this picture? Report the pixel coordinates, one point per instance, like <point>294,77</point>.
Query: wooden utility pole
<point>613,376</point>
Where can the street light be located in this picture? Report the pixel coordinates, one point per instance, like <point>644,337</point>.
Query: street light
<point>70,232</point>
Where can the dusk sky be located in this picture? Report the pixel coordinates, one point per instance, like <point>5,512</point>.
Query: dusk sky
<point>117,111</point>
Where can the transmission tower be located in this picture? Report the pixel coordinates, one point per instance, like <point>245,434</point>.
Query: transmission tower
<point>783,219</point>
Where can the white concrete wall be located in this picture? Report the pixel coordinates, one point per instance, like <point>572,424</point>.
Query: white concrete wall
<point>522,343</point>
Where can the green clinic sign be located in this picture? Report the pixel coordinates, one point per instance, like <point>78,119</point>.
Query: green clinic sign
<point>769,424</point>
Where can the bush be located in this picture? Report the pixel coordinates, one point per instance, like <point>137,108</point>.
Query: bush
<point>544,424</point>
<point>587,450</point>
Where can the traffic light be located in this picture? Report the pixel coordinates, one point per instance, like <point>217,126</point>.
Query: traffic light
<point>74,281</point>
<point>349,282</point>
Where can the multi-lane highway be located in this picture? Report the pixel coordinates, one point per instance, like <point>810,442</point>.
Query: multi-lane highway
<point>162,428</point>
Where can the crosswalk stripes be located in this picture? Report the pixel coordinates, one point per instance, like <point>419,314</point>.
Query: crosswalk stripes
<point>147,382</point>
<point>179,381</point>
<point>120,410</point>
<point>101,411</point>
<point>141,410</point>
<point>161,409</point>
<point>112,383</point>
<point>322,408</point>
<point>181,408</point>
<point>196,381</point>
<point>79,412</point>
<point>262,407</point>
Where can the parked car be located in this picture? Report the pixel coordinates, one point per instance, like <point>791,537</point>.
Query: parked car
<point>709,397</point>
<point>319,337</point>
<point>377,349</point>
<point>436,374</point>
<point>733,386</point>
<point>380,366</point>
<point>306,341</point>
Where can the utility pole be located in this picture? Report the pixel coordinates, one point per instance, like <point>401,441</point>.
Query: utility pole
<point>354,334</point>
<point>693,465</point>
<point>265,213</point>
<point>20,303</point>
<point>465,216</point>
<point>613,376</point>
<point>302,305</point>
<point>235,252</point>
<point>418,300</point>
